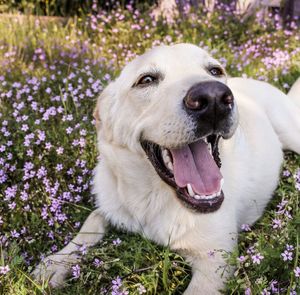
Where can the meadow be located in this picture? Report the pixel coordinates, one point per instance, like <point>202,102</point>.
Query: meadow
<point>51,72</point>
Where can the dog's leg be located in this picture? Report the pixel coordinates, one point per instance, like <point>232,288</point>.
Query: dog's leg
<point>285,119</point>
<point>56,267</point>
<point>209,275</point>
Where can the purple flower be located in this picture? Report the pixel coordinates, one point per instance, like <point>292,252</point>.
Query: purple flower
<point>60,150</point>
<point>286,255</point>
<point>141,289</point>
<point>286,173</point>
<point>14,234</point>
<point>59,167</point>
<point>83,249</point>
<point>297,272</point>
<point>97,262</point>
<point>276,223</point>
<point>273,286</point>
<point>241,258</point>
<point>76,271</point>
<point>117,241</point>
<point>4,269</point>
<point>257,258</point>
<point>289,247</point>
<point>245,227</point>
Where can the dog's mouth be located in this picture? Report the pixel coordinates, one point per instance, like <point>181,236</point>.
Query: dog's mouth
<point>193,170</point>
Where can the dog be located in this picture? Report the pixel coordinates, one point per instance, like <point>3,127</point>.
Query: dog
<point>187,155</point>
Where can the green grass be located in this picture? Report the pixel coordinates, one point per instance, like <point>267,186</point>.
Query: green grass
<point>79,53</point>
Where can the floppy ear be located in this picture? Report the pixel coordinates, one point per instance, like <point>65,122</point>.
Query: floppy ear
<point>96,116</point>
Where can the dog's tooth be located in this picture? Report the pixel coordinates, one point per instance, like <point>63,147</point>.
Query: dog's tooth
<point>170,165</point>
<point>190,190</point>
<point>209,148</point>
<point>205,139</point>
<point>222,183</point>
<point>197,197</point>
<point>164,154</point>
<point>219,194</point>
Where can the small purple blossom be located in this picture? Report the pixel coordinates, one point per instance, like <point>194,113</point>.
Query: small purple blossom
<point>141,289</point>
<point>276,223</point>
<point>241,258</point>
<point>76,271</point>
<point>4,269</point>
<point>117,241</point>
<point>257,258</point>
<point>97,262</point>
<point>286,255</point>
<point>245,227</point>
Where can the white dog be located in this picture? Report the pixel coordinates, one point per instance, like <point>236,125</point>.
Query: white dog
<point>187,157</point>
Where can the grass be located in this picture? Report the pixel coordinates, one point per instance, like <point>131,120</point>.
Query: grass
<point>50,75</point>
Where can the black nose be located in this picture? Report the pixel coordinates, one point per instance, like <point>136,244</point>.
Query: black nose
<point>209,96</point>
<point>210,103</point>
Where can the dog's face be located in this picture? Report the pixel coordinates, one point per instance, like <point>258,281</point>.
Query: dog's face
<point>172,105</point>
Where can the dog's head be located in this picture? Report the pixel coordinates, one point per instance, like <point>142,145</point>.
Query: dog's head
<point>172,105</point>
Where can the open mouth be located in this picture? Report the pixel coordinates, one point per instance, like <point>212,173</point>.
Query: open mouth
<point>193,170</point>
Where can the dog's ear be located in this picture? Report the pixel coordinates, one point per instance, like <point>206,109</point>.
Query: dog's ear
<point>107,94</point>
<point>97,116</point>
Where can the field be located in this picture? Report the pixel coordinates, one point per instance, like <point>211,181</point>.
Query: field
<point>50,76</point>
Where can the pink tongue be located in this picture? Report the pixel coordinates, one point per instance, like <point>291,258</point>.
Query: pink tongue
<point>195,165</point>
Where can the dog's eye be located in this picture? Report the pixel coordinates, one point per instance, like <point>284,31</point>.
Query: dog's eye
<point>146,80</point>
<point>216,71</point>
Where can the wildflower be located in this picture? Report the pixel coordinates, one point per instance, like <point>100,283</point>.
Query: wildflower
<point>76,271</point>
<point>297,272</point>
<point>59,167</point>
<point>14,234</point>
<point>141,289</point>
<point>286,255</point>
<point>257,258</point>
<point>97,262</point>
<point>4,270</point>
<point>83,249</point>
<point>273,286</point>
<point>60,150</point>
<point>117,241</point>
<point>116,283</point>
<point>241,258</point>
<point>276,223</point>
<point>245,227</point>
<point>286,173</point>
<point>69,130</point>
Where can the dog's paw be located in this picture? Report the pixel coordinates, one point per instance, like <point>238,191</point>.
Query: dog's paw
<point>53,269</point>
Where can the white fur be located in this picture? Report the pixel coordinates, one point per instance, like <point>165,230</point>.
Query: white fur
<point>131,195</point>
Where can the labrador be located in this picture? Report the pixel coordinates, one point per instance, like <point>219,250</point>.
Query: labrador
<point>187,155</point>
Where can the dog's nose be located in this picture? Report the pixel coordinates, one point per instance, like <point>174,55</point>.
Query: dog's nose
<point>209,98</point>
